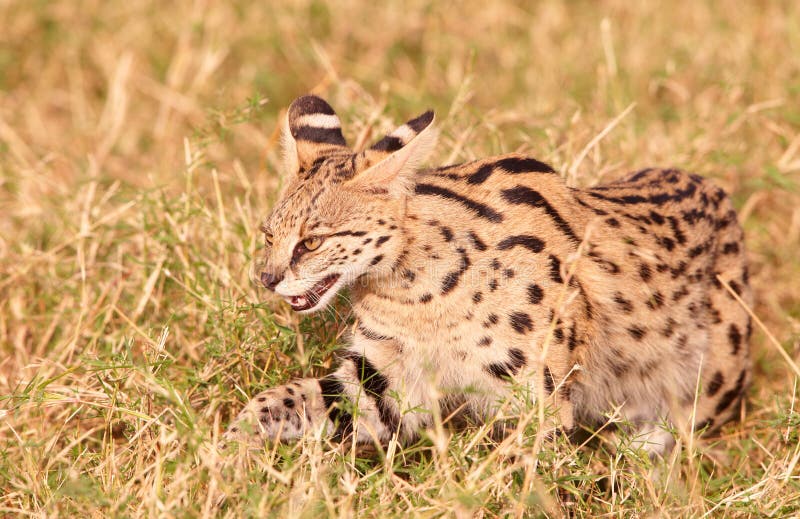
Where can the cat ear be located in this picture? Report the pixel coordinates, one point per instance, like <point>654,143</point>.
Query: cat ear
<point>396,157</point>
<point>310,131</point>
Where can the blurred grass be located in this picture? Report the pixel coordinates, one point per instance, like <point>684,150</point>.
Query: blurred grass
<point>138,154</point>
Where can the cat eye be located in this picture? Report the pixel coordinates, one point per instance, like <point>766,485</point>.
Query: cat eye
<point>312,243</point>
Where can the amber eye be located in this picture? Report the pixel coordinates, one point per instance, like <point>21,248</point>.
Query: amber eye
<point>312,243</point>
<point>268,239</point>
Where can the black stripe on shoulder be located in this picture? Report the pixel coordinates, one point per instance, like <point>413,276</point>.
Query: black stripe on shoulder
<point>511,165</point>
<point>481,210</point>
<point>320,135</point>
<point>525,195</point>
<point>332,394</point>
<point>524,165</point>
<point>532,243</point>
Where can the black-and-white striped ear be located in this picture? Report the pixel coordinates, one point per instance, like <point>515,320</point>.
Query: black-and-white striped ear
<point>397,156</point>
<point>402,135</point>
<point>311,129</point>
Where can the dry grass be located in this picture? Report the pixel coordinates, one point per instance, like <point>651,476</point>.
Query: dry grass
<point>137,155</point>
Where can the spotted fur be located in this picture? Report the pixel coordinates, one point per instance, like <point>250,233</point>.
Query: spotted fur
<point>468,279</point>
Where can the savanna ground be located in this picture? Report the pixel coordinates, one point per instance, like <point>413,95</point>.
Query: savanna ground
<point>138,153</point>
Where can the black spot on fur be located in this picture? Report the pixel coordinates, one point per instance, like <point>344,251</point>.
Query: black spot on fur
<point>485,341</point>
<point>288,402</point>
<point>425,298</point>
<point>669,327</point>
<point>549,382</point>
<point>716,383</point>
<point>613,222</point>
<point>477,297</point>
<point>377,259</point>
<point>382,240</point>
<point>572,342</point>
<point>451,279</point>
<point>656,300</point>
<point>447,234</point>
<point>521,322</point>
<point>696,251</point>
<point>644,272</point>
<point>637,332</point>
<point>535,294</point>
<point>735,338</point>
<point>517,359</point>
<point>676,230</point>
<point>555,269</point>
<point>730,248</point>
<point>679,294</point>
<point>657,218</point>
<point>608,266</point>
<point>679,270</point>
<point>477,242</point>
<point>729,396</point>
<point>624,304</point>
<point>497,370</point>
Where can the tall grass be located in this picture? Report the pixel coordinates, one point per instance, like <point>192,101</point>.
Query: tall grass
<point>138,155</point>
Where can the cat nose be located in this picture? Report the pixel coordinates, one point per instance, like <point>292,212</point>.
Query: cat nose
<point>270,280</point>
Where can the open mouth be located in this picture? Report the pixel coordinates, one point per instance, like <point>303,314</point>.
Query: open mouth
<point>313,296</point>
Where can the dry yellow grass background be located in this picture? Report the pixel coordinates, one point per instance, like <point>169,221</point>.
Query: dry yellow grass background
<point>138,154</point>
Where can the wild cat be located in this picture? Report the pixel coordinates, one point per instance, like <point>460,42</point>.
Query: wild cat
<point>470,279</point>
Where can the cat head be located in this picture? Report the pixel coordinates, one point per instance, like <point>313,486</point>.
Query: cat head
<point>339,215</point>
